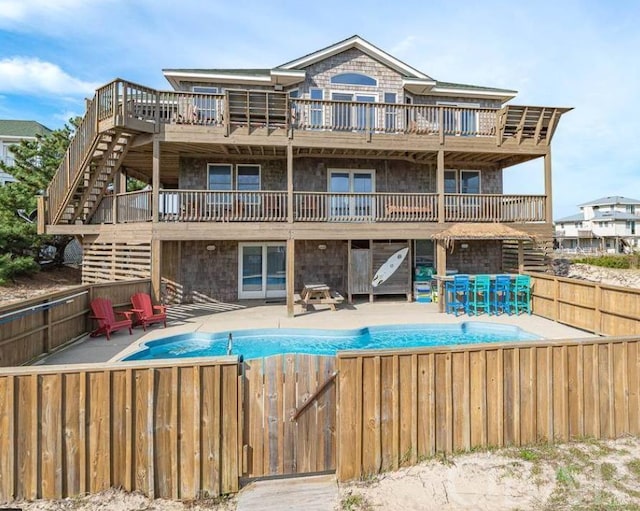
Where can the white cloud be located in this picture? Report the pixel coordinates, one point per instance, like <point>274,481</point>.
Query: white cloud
<point>12,11</point>
<point>33,76</point>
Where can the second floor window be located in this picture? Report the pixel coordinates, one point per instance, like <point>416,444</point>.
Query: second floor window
<point>461,181</point>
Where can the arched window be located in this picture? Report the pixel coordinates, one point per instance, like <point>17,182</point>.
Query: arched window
<point>354,79</point>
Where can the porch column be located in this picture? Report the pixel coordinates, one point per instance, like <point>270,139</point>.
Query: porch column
<point>440,186</point>
<point>156,245</point>
<point>291,245</point>
<point>547,187</point>
<point>289,182</point>
<point>520,256</point>
<point>117,183</point>
<point>441,270</point>
<point>155,181</point>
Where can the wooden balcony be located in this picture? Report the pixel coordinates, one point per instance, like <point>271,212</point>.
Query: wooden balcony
<point>272,206</point>
<point>125,104</point>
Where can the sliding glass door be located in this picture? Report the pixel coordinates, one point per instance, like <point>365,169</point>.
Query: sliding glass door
<point>262,270</point>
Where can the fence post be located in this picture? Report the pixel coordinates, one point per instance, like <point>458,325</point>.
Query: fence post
<point>556,287</point>
<point>597,304</point>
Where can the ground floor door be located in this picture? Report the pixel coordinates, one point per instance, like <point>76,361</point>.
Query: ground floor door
<point>262,270</point>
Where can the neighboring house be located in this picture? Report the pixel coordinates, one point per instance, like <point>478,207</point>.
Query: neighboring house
<point>12,132</point>
<point>316,170</point>
<point>609,224</point>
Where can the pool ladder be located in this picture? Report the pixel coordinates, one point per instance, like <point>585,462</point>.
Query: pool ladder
<point>229,343</point>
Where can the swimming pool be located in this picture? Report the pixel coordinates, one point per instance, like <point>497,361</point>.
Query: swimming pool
<point>273,341</point>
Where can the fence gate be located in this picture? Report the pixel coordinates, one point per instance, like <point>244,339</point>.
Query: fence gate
<point>289,415</point>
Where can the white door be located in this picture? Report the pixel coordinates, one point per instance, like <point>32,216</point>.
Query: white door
<point>262,270</point>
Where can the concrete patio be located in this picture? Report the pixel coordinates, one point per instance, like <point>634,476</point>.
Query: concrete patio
<point>222,317</point>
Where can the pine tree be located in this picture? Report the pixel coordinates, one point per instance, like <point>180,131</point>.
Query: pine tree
<point>36,162</point>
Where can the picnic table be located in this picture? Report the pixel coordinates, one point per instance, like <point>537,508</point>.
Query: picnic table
<point>319,293</point>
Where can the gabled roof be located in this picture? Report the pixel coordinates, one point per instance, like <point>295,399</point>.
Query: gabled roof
<point>611,201</point>
<point>22,129</point>
<point>293,72</point>
<point>366,47</point>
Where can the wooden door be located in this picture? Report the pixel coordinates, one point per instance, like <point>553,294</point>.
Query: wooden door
<point>360,278</point>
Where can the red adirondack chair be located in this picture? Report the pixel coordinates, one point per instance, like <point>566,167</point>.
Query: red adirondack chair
<point>103,313</point>
<point>145,311</point>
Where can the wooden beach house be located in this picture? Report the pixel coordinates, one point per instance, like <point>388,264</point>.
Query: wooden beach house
<point>313,171</point>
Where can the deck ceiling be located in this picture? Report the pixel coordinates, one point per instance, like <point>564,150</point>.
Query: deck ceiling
<point>138,162</point>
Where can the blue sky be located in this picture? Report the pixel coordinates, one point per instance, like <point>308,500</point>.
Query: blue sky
<point>582,54</point>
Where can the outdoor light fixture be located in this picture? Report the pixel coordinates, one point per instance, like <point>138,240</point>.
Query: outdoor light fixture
<point>211,248</point>
<point>322,247</point>
<point>464,245</point>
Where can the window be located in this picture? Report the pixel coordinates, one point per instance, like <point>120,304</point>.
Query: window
<point>460,118</point>
<point>450,181</point>
<point>354,79</point>
<point>350,116</point>
<point>220,180</point>
<point>462,181</point>
<point>469,181</point>
<point>6,155</point>
<point>316,108</point>
<point>248,178</point>
<point>205,106</point>
<point>390,111</point>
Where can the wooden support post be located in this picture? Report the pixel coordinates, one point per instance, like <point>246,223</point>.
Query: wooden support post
<point>440,186</point>
<point>117,183</point>
<point>548,210</point>
<point>441,270</point>
<point>289,182</point>
<point>291,249</point>
<point>156,269</point>
<point>520,256</point>
<point>155,180</point>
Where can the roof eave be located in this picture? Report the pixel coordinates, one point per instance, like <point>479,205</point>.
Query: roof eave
<point>275,77</point>
<point>474,93</point>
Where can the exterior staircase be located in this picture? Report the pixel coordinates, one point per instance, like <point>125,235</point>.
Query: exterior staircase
<point>94,155</point>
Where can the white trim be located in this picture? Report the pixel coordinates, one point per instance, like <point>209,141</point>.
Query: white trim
<point>474,93</point>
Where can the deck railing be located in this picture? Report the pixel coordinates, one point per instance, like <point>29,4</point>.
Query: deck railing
<point>364,207</point>
<point>271,206</point>
<point>468,207</point>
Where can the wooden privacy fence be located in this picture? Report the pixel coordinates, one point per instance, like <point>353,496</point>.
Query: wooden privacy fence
<point>590,306</point>
<point>169,431</point>
<point>398,407</point>
<point>40,325</point>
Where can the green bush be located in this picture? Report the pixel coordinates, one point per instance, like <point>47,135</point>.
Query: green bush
<point>12,267</point>
<point>625,261</point>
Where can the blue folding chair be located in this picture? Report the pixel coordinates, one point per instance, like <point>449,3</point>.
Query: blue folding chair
<point>479,295</point>
<point>501,291</point>
<point>457,292</point>
<point>521,294</point>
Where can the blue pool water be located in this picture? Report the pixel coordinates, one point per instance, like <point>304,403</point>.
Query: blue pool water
<point>273,341</point>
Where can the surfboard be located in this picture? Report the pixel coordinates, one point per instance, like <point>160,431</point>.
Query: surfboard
<point>389,267</point>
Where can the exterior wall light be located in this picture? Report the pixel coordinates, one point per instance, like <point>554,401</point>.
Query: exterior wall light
<point>211,248</point>
<point>322,247</point>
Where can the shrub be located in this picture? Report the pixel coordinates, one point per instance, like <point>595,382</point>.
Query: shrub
<point>12,267</point>
<point>611,261</point>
